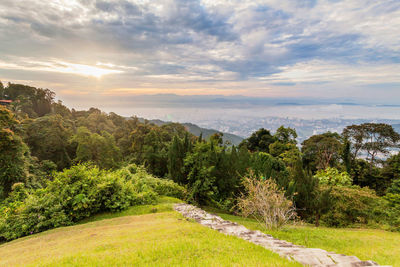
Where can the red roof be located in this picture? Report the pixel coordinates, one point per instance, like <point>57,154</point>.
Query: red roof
<point>5,101</point>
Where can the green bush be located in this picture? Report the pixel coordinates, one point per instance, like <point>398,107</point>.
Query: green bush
<point>332,176</point>
<point>144,181</point>
<point>393,204</point>
<point>354,205</point>
<point>77,193</point>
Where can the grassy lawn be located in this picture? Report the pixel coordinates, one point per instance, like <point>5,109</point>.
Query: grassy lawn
<point>164,204</point>
<point>367,244</point>
<point>156,239</point>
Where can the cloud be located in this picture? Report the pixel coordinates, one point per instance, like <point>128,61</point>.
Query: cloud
<point>334,72</point>
<point>251,46</point>
<point>60,67</point>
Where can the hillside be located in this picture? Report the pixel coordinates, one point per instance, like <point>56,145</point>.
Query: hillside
<point>196,130</point>
<point>160,239</point>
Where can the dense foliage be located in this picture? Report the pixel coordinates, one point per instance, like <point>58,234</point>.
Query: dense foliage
<point>77,193</point>
<point>45,180</point>
<point>354,205</point>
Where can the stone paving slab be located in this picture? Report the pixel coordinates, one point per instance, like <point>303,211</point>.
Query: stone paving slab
<point>306,256</point>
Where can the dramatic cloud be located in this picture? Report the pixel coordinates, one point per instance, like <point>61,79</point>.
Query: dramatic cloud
<point>251,47</point>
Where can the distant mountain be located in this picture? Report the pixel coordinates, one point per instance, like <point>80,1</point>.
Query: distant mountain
<point>196,130</point>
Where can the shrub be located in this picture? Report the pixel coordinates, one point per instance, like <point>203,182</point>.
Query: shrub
<point>354,205</point>
<point>265,202</point>
<point>393,203</point>
<point>332,176</point>
<point>144,181</point>
<point>77,193</point>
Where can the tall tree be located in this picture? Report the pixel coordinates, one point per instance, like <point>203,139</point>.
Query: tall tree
<point>373,138</point>
<point>176,155</point>
<point>285,142</point>
<point>391,173</point>
<point>286,135</point>
<point>2,92</point>
<point>311,201</point>
<point>99,149</point>
<point>322,151</point>
<point>259,141</point>
<point>14,153</point>
<point>48,138</point>
<point>35,102</point>
<point>200,169</point>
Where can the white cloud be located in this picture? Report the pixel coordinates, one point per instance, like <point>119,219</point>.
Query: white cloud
<point>318,71</point>
<point>203,44</point>
<point>60,67</point>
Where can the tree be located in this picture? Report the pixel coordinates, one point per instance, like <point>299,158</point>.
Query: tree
<point>346,154</point>
<point>176,155</point>
<point>395,187</point>
<point>122,134</point>
<point>364,174</point>
<point>60,109</point>
<point>217,138</point>
<point>286,135</point>
<point>266,166</point>
<point>311,201</point>
<point>259,141</point>
<point>99,149</point>
<point>391,173</point>
<point>213,173</point>
<point>2,92</point>
<point>372,138</point>
<point>322,151</point>
<point>14,153</point>
<point>48,138</point>
<point>35,102</point>
<point>201,178</point>
<point>150,144</point>
<point>96,121</point>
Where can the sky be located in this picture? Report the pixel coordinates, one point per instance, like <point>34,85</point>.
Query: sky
<point>96,49</point>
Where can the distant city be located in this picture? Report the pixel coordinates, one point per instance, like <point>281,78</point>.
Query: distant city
<point>241,118</point>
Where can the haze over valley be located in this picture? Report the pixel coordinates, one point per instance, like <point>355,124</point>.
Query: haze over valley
<point>242,116</point>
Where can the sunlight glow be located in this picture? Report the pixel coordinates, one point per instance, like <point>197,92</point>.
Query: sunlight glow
<point>85,70</point>
<point>61,67</point>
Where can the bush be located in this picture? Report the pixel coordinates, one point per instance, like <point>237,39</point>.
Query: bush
<point>354,205</point>
<point>393,203</point>
<point>265,202</point>
<point>142,181</point>
<point>75,194</point>
<point>332,176</point>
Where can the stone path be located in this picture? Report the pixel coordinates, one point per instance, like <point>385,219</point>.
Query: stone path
<point>303,255</point>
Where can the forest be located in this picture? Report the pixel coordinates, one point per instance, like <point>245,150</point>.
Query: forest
<point>60,165</point>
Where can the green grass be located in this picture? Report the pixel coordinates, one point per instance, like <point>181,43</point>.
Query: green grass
<point>156,239</point>
<point>164,204</point>
<point>367,244</point>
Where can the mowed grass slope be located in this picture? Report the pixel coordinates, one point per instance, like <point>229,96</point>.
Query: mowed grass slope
<point>367,244</point>
<point>159,239</point>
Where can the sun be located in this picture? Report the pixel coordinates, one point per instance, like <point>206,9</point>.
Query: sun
<point>85,70</point>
